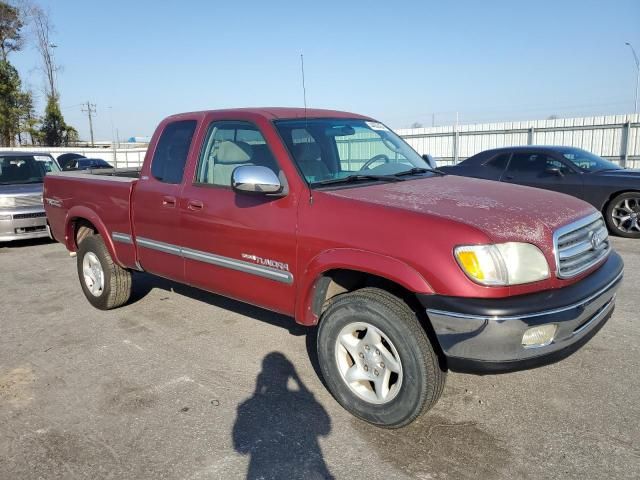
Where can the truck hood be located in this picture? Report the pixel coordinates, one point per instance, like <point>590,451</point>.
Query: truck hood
<point>20,189</point>
<point>504,212</point>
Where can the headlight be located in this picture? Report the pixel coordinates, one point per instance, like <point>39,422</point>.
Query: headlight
<point>509,263</point>
<point>7,202</point>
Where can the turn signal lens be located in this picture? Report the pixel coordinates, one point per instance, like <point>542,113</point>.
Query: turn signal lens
<point>470,264</point>
<point>539,336</point>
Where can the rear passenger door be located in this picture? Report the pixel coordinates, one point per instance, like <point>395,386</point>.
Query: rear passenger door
<point>542,170</point>
<point>240,245</point>
<point>156,212</point>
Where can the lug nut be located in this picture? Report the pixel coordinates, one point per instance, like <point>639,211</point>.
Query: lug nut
<point>377,352</point>
<point>366,368</point>
<point>366,347</point>
<point>361,355</point>
<point>381,364</point>
<point>375,372</point>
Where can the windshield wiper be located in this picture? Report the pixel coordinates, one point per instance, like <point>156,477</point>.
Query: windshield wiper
<point>418,170</point>
<point>358,178</point>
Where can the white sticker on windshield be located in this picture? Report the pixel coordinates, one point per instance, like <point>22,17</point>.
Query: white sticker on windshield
<point>42,158</point>
<point>376,126</point>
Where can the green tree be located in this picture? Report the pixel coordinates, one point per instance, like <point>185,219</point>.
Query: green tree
<point>10,25</point>
<point>54,131</point>
<point>9,103</point>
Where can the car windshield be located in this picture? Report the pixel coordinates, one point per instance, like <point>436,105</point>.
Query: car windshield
<point>330,150</point>
<point>25,168</point>
<point>588,162</point>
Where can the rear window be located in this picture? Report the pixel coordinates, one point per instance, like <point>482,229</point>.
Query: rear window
<point>171,153</point>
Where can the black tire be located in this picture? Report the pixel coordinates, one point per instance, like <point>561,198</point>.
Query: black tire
<point>117,280</point>
<point>611,210</point>
<point>423,379</point>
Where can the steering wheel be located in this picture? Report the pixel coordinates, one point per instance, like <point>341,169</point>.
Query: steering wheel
<point>377,158</point>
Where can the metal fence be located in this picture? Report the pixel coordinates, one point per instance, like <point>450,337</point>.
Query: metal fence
<point>615,137</point>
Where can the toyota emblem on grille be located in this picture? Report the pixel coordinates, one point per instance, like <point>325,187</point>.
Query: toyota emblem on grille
<point>596,240</point>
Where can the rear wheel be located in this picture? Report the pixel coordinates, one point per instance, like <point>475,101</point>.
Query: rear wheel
<point>376,358</point>
<point>105,284</point>
<point>623,215</point>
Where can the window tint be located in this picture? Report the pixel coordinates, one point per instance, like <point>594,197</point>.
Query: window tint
<point>534,164</point>
<point>172,150</point>
<point>229,145</point>
<point>499,162</point>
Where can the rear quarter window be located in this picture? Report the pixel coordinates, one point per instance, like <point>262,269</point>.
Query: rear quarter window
<point>171,153</point>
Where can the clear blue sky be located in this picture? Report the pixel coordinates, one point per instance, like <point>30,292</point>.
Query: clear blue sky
<point>397,61</point>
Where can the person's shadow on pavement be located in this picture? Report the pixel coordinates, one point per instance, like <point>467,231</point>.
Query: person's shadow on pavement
<point>279,427</point>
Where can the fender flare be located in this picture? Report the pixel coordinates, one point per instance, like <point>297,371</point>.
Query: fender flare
<point>357,260</point>
<point>85,213</point>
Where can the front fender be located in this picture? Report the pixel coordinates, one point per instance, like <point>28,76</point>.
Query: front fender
<point>377,264</point>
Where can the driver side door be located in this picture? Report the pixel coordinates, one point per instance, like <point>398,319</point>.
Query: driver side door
<point>541,170</point>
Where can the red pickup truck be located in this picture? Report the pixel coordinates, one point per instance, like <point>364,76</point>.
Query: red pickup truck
<point>332,219</point>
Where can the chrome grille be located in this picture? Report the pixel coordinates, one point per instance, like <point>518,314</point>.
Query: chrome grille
<point>28,200</point>
<point>21,216</point>
<point>580,245</point>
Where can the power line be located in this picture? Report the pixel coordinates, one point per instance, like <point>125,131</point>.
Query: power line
<point>90,110</point>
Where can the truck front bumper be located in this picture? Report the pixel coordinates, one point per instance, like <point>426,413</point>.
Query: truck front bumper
<point>485,335</point>
<point>23,223</point>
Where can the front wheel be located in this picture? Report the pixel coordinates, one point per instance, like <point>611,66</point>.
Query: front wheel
<point>376,358</point>
<point>105,284</point>
<point>623,215</point>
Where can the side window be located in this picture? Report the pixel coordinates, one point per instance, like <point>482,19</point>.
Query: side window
<point>554,163</point>
<point>171,153</point>
<point>229,145</point>
<point>499,162</point>
<point>527,163</point>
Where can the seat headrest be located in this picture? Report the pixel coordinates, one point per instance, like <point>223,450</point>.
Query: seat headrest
<point>233,152</point>
<point>306,152</point>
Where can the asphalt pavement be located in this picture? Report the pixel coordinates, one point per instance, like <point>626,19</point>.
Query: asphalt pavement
<point>182,384</point>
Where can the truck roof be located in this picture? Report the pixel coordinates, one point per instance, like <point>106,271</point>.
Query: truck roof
<point>281,113</point>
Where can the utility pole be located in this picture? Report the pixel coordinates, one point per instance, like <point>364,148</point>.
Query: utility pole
<point>635,58</point>
<point>90,110</point>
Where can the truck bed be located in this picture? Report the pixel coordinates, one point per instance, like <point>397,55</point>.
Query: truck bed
<point>100,196</point>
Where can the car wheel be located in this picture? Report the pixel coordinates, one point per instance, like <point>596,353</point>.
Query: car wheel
<point>623,215</point>
<point>105,284</point>
<point>376,358</point>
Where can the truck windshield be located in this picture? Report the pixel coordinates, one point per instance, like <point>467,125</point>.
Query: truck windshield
<point>327,150</point>
<point>25,168</point>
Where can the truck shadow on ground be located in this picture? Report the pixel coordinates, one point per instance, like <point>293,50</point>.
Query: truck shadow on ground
<point>279,425</point>
<point>144,283</point>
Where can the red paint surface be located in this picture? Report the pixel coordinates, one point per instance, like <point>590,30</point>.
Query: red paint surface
<point>403,231</point>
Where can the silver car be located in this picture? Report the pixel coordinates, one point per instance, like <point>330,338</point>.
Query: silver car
<point>21,210</point>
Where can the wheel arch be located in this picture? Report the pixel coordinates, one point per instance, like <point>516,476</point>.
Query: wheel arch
<point>613,195</point>
<point>81,216</point>
<point>342,270</point>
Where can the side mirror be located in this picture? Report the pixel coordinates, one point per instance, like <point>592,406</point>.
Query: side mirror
<point>255,179</point>
<point>554,171</point>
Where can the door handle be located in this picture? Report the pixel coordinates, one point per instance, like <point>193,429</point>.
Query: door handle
<point>169,202</point>
<point>195,205</point>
